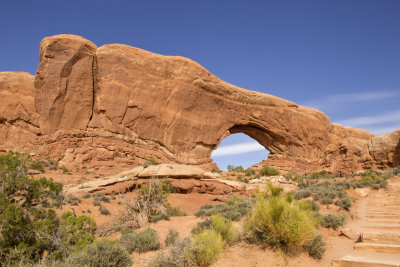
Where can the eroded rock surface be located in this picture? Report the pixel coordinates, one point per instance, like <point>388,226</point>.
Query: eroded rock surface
<point>118,105</point>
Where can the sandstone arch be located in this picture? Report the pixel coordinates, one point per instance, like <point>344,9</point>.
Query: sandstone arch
<point>122,105</point>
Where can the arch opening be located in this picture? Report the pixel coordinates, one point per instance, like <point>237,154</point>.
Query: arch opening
<point>239,149</point>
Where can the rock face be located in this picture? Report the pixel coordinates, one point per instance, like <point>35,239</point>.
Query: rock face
<point>118,105</point>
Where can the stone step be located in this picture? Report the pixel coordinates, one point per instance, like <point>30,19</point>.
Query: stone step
<point>383,213</point>
<point>381,238</point>
<point>356,261</point>
<point>384,209</point>
<point>389,221</point>
<point>389,227</point>
<point>383,216</point>
<point>386,248</point>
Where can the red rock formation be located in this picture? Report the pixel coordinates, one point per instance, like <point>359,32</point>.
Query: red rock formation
<point>117,105</point>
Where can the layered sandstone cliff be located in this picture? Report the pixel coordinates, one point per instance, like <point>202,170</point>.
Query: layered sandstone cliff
<point>118,105</point>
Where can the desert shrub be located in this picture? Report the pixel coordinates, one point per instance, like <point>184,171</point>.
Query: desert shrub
<point>175,257</point>
<point>105,199</point>
<point>234,211</point>
<point>172,238</point>
<point>316,248</point>
<point>65,170</point>
<point>201,226</point>
<point>38,165</point>
<point>102,253</point>
<point>344,203</point>
<point>280,224</point>
<point>74,200</point>
<point>232,168</point>
<point>205,248</point>
<point>28,223</point>
<point>225,228</point>
<point>302,194</point>
<point>150,162</point>
<point>250,172</point>
<point>332,220</point>
<point>76,231</point>
<point>321,175</point>
<point>104,211</point>
<point>267,170</point>
<point>375,186</point>
<point>146,240</point>
<point>326,201</point>
<point>96,202</point>
<point>308,205</point>
<point>86,196</point>
<point>148,205</point>
<point>293,176</point>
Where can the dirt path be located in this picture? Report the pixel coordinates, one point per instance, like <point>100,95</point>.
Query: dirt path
<point>379,243</point>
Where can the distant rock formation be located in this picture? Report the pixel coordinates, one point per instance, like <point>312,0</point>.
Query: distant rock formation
<point>118,105</point>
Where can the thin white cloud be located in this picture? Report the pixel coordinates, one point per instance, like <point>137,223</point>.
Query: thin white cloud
<point>390,117</point>
<point>237,149</point>
<point>383,129</point>
<point>333,101</point>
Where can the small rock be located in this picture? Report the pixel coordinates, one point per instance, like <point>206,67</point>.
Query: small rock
<point>349,233</point>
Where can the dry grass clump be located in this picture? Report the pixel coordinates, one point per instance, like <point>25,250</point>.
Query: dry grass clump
<point>146,240</point>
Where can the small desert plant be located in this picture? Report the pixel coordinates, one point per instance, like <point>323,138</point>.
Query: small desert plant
<point>225,228</point>
<point>104,211</point>
<point>235,210</point>
<point>205,248</point>
<point>232,168</point>
<point>172,238</point>
<point>267,170</point>
<point>316,248</point>
<point>38,165</point>
<point>149,162</point>
<point>176,256</point>
<point>321,175</point>
<point>86,196</point>
<point>250,172</point>
<point>102,253</point>
<point>344,203</point>
<point>146,240</point>
<point>332,220</point>
<point>74,201</point>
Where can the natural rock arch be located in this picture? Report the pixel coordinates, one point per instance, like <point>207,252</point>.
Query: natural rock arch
<point>122,105</point>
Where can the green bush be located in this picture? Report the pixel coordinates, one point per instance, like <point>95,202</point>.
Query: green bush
<point>38,165</point>
<point>225,228</point>
<point>28,223</point>
<point>344,203</point>
<point>250,172</point>
<point>146,240</point>
<point>321,175</point>
<point>77,231</point>
<point>232,168</point>
<point>172,238</point>
<point>150,162</point>
<point>234,211</point>
<point>74,200</point>
<point>104,211</point>
<point>267,170</point>
<point>332,220</point>
<point>205,248</point>
<point>316,248</point>
<point>176,256</point>
<point>102,253</point>
<point>86,196</point>
<point>280,224</point>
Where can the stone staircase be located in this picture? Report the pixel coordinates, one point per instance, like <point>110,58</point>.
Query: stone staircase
<point>379,242</point>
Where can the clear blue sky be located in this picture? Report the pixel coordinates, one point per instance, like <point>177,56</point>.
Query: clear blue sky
<point>340,56</point>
